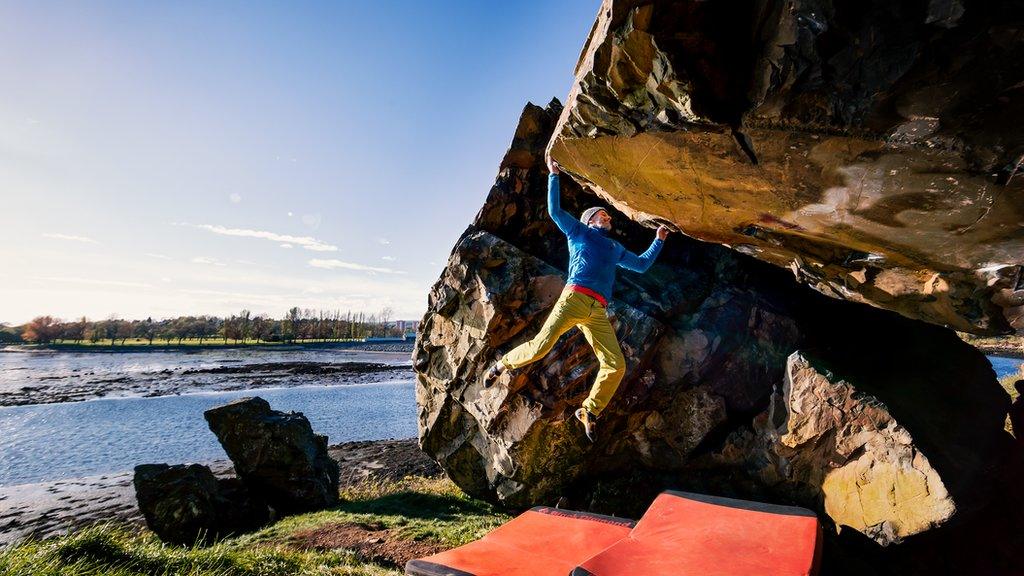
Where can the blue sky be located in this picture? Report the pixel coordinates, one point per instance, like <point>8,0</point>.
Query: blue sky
<point>169,158</point>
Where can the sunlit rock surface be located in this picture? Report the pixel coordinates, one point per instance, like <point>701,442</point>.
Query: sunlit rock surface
<point>276,454</point>
<point>872,476</point>
<point>868,151</point>
<point>875,407</point>
<point>696,316</point>
<point>873,148</point>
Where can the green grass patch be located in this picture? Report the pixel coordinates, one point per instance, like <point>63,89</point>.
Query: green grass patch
<point>118,551</point>
<point>417,508</point>
<point>1007,383</point>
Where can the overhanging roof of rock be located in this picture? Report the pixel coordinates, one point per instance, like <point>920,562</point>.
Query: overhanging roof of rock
<point>871,147</point>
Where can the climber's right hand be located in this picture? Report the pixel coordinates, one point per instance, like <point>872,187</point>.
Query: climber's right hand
<point>553,166</point>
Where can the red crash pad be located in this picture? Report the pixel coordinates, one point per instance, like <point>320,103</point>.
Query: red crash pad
<point>683,534</point>
<point>539,542</point>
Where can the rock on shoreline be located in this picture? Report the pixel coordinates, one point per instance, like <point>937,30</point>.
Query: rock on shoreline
<point>49,509</point>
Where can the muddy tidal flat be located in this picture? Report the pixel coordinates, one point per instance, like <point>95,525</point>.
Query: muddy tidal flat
<point>46,376</point>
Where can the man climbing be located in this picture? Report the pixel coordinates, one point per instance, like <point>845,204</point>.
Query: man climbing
<point>593,257</point>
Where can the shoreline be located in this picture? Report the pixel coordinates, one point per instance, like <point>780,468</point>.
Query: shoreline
<point>1002,351</point>
<point>46,509</point>
<point>363,346</point>
<point>251,376</point>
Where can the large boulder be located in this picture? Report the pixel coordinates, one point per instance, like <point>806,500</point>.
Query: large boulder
<point>186,504</point>
<point>489,439</point>
<point>277,455</point>
<point>517,442</point>
<point>707,335</point>
<point>872,475</point>
<point>873,148</point>
<point>883,435</point>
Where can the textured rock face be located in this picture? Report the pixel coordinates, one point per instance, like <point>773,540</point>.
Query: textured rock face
<point>872,475</point>
<point>186,503</point>
<point>517,442</point>
<point>276,455</point>
<point>706,333</point>
<point>871,147</point>
<point>883,433</point>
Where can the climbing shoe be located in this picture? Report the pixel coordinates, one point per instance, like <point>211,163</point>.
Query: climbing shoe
<point>589,422</point>
<point>492,374</point>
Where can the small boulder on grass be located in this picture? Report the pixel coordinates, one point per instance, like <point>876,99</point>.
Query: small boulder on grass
<point>277,455</point>
<point>186,503</point>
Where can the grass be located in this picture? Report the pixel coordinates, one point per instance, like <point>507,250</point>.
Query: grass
<point>118,551</point>
<point>416,508</point>
<point>1007,383</point>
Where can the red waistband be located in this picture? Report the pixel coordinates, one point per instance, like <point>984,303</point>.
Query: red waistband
<point>588,292</point>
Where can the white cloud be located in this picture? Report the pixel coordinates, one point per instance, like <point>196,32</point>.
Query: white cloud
<point>207,260</point>
<point>235,197</point>
<point>69,237</point>
<point>307,242</point>
<point>332,264</point>
<point>286,246</point>
<point>290,214</point>
<point>158,256</point>
<point>388,258</point>
<point>383,241</point>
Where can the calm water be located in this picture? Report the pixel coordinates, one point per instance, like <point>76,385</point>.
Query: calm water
<point>52,441</point>
<point>1005,366</point>
<point>166,369</point>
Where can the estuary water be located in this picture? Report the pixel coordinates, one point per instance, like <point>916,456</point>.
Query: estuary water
<point>44,442</point>
<point>147,407</point>
<point>1005,366</point>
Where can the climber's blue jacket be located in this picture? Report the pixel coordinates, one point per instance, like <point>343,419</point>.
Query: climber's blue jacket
<point>593,256</point>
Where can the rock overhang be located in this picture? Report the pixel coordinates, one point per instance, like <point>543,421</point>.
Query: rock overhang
<point>871,150</point>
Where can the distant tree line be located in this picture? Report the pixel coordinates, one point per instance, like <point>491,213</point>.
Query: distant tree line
<point>9,334</point>
<point>297,324</point>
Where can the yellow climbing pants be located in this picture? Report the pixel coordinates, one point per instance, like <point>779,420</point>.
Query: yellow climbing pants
<point>587,314</point>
